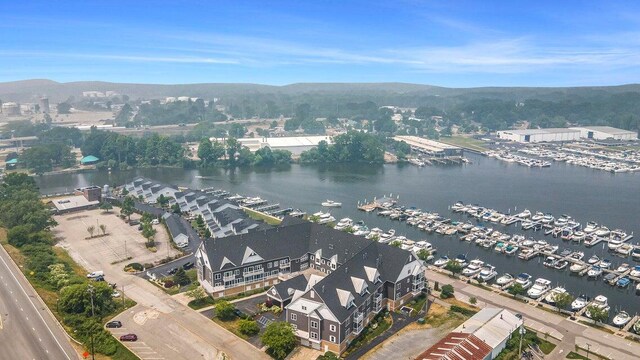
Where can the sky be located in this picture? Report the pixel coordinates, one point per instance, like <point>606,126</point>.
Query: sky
<point>444,43</point>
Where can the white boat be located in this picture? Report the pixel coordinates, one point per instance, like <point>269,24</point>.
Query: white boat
<point>579,303</point>
<point>504,279</point>
<point>578,236</point>
<point>600,302</point>
<point>323,218</point>
<point>603,231</point>
<point>622,268</point>
<point>577,267</point>
<point>594,271</point>
<point>613,245</point>
<point>621,319</point>
<point>423,245</point>
<point>524,280</point>
<point>331,203</point>
<point>578,255</point>
<point>551,296</point>
<point>343,224</point>
<point>538,216</point>
<point>593,260</point>
<point>487,273</point>
<point>605,263</point>
<point>591,227</point>
<point>540,287</point>
<point>636,271</point>
<point>524,215</point>
<point>442,261</point>
<point>473,268</point>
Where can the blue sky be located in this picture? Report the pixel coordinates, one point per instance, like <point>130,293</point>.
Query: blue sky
<point>446,43</point>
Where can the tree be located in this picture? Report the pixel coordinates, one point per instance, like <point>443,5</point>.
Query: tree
<point>91,229</point>
<point>516,289</point>
<point>225,310</point>
<point>128,205</point>
<point>563,300</point>
<point>248,327</point>
<point>423,254</point>
<point>181,278</point>
<point>106,206</point>
<point>454,267</point>
<point>19,235</point>
<point>473,300</point>
<point>328,356</point>
<point>76,299</point>
<point>175,208</point>
<point>279,339</point>
<point>196,293</point>
<point>447,291</point>
<point>148,232</point>
<point>64,108</point>
<point>597,314</point>
<point>163,200</point>
<point>103,228</point>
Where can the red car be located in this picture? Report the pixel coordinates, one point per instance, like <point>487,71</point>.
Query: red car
<point>129,337</point>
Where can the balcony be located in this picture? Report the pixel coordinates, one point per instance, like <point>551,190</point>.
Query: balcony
<point>358,323</point>
<point>253,272</point>
<point>285,266</point>
<point>228,277</point>
<point>377,303</point>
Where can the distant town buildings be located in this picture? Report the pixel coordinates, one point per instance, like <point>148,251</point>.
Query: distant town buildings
<point>99,94</point>
<point>11,109</point>
<point>295,144</point>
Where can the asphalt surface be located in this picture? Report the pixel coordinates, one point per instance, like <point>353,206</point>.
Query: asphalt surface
<point>27,329</point>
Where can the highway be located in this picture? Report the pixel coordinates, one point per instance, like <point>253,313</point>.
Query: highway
<point>27,329</point>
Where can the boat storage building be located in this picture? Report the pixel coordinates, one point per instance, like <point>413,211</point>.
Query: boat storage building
<point>605,132</point>
<point>540,135</point>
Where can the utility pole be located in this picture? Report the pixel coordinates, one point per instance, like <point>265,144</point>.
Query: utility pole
<point>522,331</point>
<point>93,314</point>
<point>588,350</point>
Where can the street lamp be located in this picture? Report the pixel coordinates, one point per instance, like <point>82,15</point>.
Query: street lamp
<point>588,350</point>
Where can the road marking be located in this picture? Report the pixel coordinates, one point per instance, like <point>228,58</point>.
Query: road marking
<point>34,307</point>
<point>1,324</point>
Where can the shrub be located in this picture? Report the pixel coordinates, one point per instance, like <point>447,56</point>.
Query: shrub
<point>224,310</point>
<point>181,278</point>
<point>447,291</point>
<point>279,339</point>
<point>148,265</point>
<point>248,327</point>
<point>473,300</point>
<point>134,267</point>
<point>462,310</point>
<point>169,284</point>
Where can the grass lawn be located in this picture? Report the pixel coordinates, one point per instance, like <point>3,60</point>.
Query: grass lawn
<point>381,324</point>
<point>546,346</point>
<point>418,303</point>
<point>256,215</point>
<point>196,305</point>
<point>439,315</point>
<point>231,325</point>
<point>573,355</point>
<point>463,141</point>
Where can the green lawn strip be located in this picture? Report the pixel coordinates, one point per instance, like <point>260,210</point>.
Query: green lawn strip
<point>256,215</point>
<point>378,325</point>
<point>462,141</point>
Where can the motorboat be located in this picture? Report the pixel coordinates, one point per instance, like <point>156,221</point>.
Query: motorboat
<point>524,215</point>
<point>622,268</point>
<point>547,219</point>
<point>331,203</point>
<point>625,249</point>
<point>423,245</point>
<point>550,261</point>
<point>442,261</point>
<point>613,245</point>
<point>473,268</point>
<point>591,227</point>
<point>603,231</point>
<point>594,271</point>
<point>621,319</point>
<point>297,213</point>
<point>635,272</point>
<point>487,273</point>
<point>623,282</point>
<point>538,216</point>
<point>579,303</point>
<point>578,255</point>
<point>360,230</point>
<point>560,265</point>
<point>388,236</point>
<point>578,236</point>
<point>374,234</point>
<point>593,260</point>
<point>343,224</point>
<point>323,218</point>
<point>566,234</point>
<point>565,253</point>
<point>406,243</point>
<point>610,278</point>
<point>540,287</point>
<point>635,254</point>
<point>511,249</point>
<point>524,280</point>
<point>577,267</point>
<point>605,263</point>
<point>504,279</point>
<point>601,302</point>
<point>553,294</point>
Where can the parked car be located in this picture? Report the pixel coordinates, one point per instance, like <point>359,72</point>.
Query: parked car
<point>129,337</point>
<point>134,222</point>
<point>155,221</point>
<point>188,265</point>
<point>239,313</point>
<point>173,271</point>
<point>114,324</point>
<point>115,294</point>
<point>95,274</point>
<point>99,278</point>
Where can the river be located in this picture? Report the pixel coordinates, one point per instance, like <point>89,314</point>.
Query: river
<point>587,195</point>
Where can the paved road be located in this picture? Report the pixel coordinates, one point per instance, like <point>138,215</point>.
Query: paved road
<point>559,327</point>
<point>27,329</point>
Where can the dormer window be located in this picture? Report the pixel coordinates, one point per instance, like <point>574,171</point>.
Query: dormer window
<point>351,303</point>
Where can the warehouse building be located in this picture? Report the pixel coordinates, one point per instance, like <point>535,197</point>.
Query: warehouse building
<point>605,132</point>
<point>540,135</point>
<point>430,147</point>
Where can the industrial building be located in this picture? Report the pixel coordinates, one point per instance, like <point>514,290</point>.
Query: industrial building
<point>540,135</point>
<point>44,105</point>
<point>430,147</point>
<point>295,144</point>
<point>11,109</point>
<point>481,337</point>
<point>605,132</point>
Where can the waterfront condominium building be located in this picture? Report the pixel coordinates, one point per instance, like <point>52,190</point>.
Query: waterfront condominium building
<point>361,277</point>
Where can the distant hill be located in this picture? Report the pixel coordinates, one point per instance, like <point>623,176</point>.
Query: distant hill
<point>30,90</point>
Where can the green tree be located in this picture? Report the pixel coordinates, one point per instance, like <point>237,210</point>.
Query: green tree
<point>181,278</point>
<point>175,208</point>
<point>423,254</point>
<point>248,327</point>
<point>205,152</point>
<point>563,300</point>
<point>106,206</point>
<point>64,108</point>
<point>597,314</point>
<point>76,299</point>
<point>197,293</point>
<point>148,232</point>
<point>19,235</point>
<point>279,339</point>
<point>447,291</point>
<point>328,356</point>
<point>128,206</point>
<point>454,267</point>
<point>516,289</point>
<point>91,229</point>
<point>225,310</point>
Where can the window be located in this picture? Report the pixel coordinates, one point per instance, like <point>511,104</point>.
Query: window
<point>332,328</point>
<point>268,265</point>
<point>311,257</point>
<point>314,335</point>
<point>237,271</point>
<point>332,338</point>
<point>304,307</point>
<point>314,324</point>
<point>333,266</point>
<point>312,294</point>
<point>294,317</point>
<point>294,326</point>
<point>217,277</point>
<point>323,262</point>
<point>304,257</point>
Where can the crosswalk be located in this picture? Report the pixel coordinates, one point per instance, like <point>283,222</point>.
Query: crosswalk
<point>140,348</point>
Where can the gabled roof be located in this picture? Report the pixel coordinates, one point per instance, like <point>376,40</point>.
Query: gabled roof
<point>457,346</point>
<point>286,289</point>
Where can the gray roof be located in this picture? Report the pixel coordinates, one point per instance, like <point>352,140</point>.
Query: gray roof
<point>175,226</point>
<point>282,289</point>
<point>541,131</point>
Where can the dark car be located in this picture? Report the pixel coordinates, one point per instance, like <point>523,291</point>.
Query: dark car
<point>188,265</point>
<point>129,337</point>
<point>173,271</point>
<point>99,278</point>
<point>134,222</point>
<point>239,313</point>
<point>114,324</point>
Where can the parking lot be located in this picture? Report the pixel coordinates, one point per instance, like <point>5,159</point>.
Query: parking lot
<point>121,240</point>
